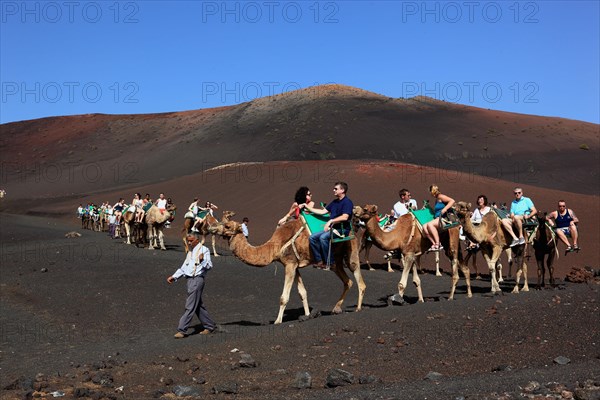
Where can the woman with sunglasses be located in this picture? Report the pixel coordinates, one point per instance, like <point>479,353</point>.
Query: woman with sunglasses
<point>302,198</point>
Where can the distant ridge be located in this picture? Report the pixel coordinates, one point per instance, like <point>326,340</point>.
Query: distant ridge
<point>324,122</point>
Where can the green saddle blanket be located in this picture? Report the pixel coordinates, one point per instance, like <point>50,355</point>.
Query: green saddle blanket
<point>316,223</point>
<point>423,215</point>
<point>501,213</point>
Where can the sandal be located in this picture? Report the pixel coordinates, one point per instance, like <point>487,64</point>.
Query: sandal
<point>434,248</point>
<point>576,248</point>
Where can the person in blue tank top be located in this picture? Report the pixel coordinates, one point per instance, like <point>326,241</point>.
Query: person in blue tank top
<point>442,204</point>
<point>565,221</point>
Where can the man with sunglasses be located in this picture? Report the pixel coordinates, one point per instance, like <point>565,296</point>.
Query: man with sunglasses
<point>521,209</point>
<point>565,221</point>
<point>340,210</point>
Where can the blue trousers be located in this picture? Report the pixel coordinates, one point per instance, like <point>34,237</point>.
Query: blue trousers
<point>319,245</point>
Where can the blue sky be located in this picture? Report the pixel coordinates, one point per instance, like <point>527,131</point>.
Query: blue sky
<point>65,58</point>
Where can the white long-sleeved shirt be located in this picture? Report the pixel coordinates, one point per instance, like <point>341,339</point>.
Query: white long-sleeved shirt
<point>192,266</point>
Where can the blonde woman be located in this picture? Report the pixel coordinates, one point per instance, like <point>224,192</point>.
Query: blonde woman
<point>431,229</point>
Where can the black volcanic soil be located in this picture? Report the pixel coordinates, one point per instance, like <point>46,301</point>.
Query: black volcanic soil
<point>102,317</point>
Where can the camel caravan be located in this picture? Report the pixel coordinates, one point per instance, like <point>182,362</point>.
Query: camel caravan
<point>140,223</point>
<point>407,233</point>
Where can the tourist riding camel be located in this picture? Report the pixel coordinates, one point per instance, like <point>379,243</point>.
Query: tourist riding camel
<point>493,238</point>
<point>289,245</point>
<point>443,203</point>
<point>565,221</point>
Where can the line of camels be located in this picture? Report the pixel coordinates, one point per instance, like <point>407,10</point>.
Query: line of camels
<point>289,246</point>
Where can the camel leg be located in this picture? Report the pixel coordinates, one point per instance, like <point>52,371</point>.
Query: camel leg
<point>128,233</point>
<point>551,266</point>
<point>290,273</point>
<point>437,264</point>
<point>302,292</point>
<point>407,263</point>
<point>339,271</point>
<point>491,262</point>
<point>525,287</point>
<point>465,270</point>
<point>151,235</point>
<point>362,287</point>
<point>499,270</point>
<point>214,246</point>
<point>454,280</point>
<point>366,245</point>
<point>389,263</point>
<point>521,269</point>
<point>510,262</point>
<point>540,270</point>
<point>417,282</point>
<point>161,239</point>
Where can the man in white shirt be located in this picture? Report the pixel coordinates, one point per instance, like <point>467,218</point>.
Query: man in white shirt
<point>245,226</point>
<point>161,203</point>
<point>194,269</point>
<point>406,202</point>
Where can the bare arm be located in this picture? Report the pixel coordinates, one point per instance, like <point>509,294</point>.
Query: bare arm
<point>532,213</point>
<point>319,211</point>
<point>446,199</point>
<point>575,219</point>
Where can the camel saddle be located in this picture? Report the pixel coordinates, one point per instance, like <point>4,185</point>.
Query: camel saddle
<point>424,215</point>
<point>530,225</point>
<point>340,232</point>
<point>201,214</point>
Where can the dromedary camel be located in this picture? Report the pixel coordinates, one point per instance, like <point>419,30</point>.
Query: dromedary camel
<point>203,228</point>
<point>135,231</point>
<point>407,238</point>
<point>544,244</point>
<point>492,240</point>
<point>365,244</point>
<point>155,220</point>
<point>289,246</point>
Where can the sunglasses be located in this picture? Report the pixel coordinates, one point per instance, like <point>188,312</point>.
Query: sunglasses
<point>518,192</point>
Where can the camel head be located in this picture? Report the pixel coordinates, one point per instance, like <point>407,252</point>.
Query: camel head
<point>462,208</point>
<point>541,217</point>
<point>367,212</point>
<point>226,229</point>
<point>227,215</point>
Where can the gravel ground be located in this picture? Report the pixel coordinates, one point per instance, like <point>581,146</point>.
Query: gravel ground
<point>93,318</point>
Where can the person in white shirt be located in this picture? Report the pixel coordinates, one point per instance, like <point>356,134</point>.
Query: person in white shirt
<point>405,203</point>
<point>161,202</point>
<point>245,221</point>
<point>197,263</point>
<point>482,209</point>
<point>400,208</point>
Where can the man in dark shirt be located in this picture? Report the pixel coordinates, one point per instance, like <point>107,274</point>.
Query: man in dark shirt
<point>339,210</point>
